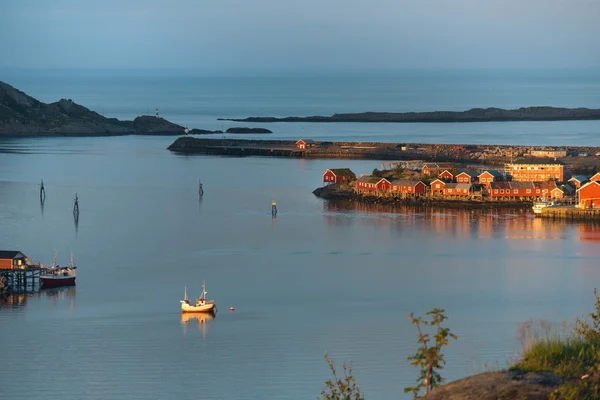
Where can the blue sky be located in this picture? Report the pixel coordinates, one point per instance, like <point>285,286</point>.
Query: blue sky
<point>261,35</point>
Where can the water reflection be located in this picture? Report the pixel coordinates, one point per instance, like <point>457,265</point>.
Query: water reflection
<point>457,223</point>
<point>59,295</point>
<point>13,300</point>
<point>201,320</point>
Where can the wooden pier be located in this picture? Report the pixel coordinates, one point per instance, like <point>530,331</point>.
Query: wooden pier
<point>20,280</point>
<point>571,213</point>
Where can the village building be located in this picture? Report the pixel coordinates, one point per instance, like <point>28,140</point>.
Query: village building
<point>595,177</point>
<point>589,195</point>
<point>437,185</point>
<point>10,259</point>
<point>545,188</point>
<point>458,189</point>
<point>303,144</point>
<point>466,177</point>
<point>372,183</point>
<point>577,181</point>
<point>338,175</point>
<point>512,189</point>
<point>562,191</point>
<point>538,171</point>
<point>489,176</point>
<point>446,175</point>
<point>408,186</point>
<point>548,153</point>
<point>430,169</point>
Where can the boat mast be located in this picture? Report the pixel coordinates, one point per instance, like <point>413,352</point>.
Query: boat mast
<point>185,293</point>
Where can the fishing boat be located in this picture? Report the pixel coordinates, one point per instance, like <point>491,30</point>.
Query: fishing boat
<point>56,275</point>
<point>539,205</point>
<point>201,305</point>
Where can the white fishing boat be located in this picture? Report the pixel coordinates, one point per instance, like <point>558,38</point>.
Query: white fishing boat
<point>201,305</point>
<point>56,275</point>
<point>539,205</point>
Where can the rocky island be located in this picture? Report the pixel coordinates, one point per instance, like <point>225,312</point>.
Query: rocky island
<point>472,115</point>
<point>23,115</point>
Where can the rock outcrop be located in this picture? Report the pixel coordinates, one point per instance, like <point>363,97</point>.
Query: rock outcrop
<point>22,115</point>
<point>499,385</point>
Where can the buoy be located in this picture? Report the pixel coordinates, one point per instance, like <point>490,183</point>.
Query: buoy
<point>231,308</point>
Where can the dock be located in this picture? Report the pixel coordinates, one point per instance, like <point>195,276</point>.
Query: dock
<point>571,213</point>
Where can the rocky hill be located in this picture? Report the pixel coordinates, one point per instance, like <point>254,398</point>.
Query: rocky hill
<point>22,115</point>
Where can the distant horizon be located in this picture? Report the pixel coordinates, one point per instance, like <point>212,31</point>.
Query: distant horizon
<point>299,72</point>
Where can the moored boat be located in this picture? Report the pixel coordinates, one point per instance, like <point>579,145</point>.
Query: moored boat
<point>201,305</point>
<point>57,276</point>
<point>539,205</point>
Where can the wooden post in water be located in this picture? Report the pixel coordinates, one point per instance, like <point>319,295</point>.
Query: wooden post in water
<point>200,189</point>
<point>273,208</point>
<point>42,192</point>
<point>76,207</point>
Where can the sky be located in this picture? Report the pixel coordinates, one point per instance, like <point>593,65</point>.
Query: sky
<point>275,35</point>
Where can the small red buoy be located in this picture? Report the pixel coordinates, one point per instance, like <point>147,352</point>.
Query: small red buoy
<point>231,308</point>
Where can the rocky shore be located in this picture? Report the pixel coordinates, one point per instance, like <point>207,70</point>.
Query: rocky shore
<point>23,115</point>
<point>473,115</point>
<point>333,192</point>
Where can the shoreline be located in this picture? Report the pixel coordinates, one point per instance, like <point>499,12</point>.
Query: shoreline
<point>334,193</point>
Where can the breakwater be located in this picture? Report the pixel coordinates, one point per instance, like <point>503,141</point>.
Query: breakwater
<point>571,213</point>
<point>458,153</point>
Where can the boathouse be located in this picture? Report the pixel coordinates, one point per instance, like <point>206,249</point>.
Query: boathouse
<point>466,177</point>
<point>489,176</point>
<point>458,189</point>
<point>372,183</point>
<point>446,175</point>
<point>408,187</point>
<point>578,180</point>
<point>303,144</point>
<point>437,185</point>
<point>589,195</point>
<point>430,169</point>
<point>513,189</point>
<point>595,177</point>
<point>12,259</point>
<point>562,191</point>
<point>338,175</point>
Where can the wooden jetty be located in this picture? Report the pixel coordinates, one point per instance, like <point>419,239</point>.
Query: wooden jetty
<point>571,213</point>
<point>17,274</point>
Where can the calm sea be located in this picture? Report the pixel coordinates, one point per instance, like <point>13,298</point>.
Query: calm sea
<point>197,102</point>
<point>320,277</point>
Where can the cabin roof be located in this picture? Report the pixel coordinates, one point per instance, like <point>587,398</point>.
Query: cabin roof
<point>579,178</point>
<point>342,171</point>
<point>458,186</point>
<point>307,141</point>
<point>470,173</point>
<point>369,179</point>
<point>405,182</point>
<point>492,172</point>
<point>10,254</point>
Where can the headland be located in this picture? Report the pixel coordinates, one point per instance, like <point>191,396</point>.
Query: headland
<point>22,115</point>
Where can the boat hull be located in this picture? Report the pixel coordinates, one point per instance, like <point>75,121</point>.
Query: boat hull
<point>48,282</point>
<point>206,308</point>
